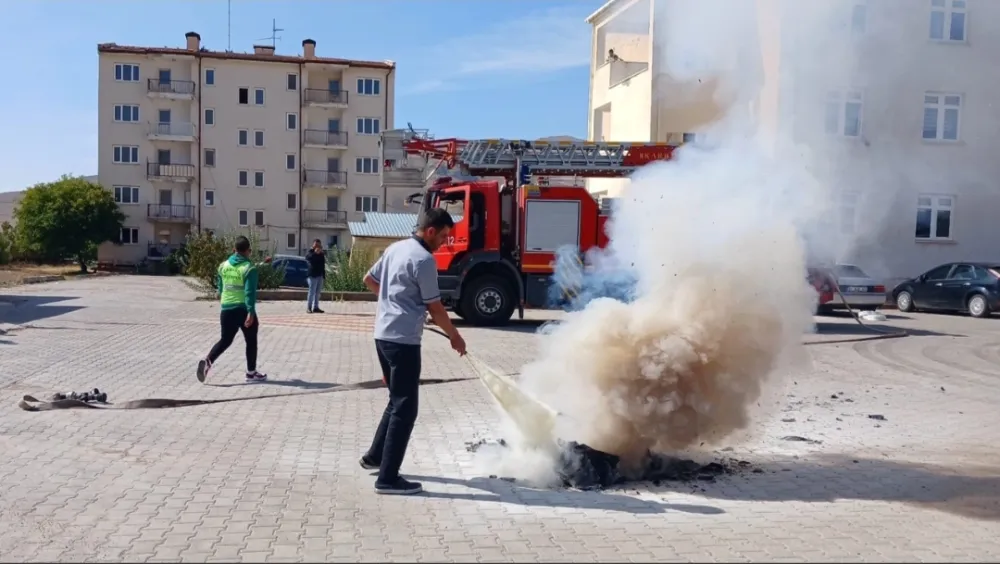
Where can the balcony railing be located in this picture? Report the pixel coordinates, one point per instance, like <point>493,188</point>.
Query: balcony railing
<point>172,129</point>
<point>169,211</point>
<point>324,216</point>
<point>319,96</point>
<point>170,86</point>
<point>324,177</point>
<point>170,170</point>
<point>327,138</point>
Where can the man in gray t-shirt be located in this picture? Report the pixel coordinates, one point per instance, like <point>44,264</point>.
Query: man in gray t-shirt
<point>405,280</point>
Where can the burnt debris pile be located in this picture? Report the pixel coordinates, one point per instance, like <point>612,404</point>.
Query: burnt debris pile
<point>585,468</point>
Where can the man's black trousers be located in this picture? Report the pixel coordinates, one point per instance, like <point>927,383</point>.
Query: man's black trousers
<point>232,322</point>
<point>401,370</point>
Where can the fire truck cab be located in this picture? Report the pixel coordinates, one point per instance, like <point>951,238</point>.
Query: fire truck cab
<point>499,257</point>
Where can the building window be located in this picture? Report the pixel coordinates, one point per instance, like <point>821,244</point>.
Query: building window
<point>244,218</point>
<point>366,165</point>
<point>209,159</point>
<point>126,154</point>
<point>292,82</point>
<point>290,237</point>
<point>941,116</point>
<point>368,126</point>
<point>244,96</point>
<point>258,138</point>
<point>366,203</point>
<point>258,218</point>
<point>948,20</point>
<point>244,178</point>
<point>369,86</point>
<point>290,161</point>
<point>129,236</point>
<point>126,113</point>
<point>291,122</point>
<point>242,137</point>
<point>126,194</point>
<point>859,18</point>
<point>209,198</point>
<point>291,200</point>
<point>210,77</point>
<point>843,114</point>
<point>258,96</point>
<point>847,213</point>
<point>209,116</point>
<point>125,72</point>
<point>934,216</point>
<point>258,179</point>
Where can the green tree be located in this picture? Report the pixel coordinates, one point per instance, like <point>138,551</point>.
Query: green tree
<point>66,219</point>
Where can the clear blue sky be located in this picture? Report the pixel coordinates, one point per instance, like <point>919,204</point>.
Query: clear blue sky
<point>468,68</point>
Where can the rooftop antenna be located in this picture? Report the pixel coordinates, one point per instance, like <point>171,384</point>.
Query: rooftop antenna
<point>229,26</point>
<point>274,34</point>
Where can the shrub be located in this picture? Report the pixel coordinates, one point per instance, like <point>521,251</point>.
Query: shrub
<point>346,271</point>
<point>204,252</point>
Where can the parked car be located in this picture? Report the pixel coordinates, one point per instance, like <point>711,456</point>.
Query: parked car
<point>972,287</point>
<point>859,289</point>
<point>296,270</point>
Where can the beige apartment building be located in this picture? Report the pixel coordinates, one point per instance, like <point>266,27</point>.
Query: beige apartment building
<point>194,139</point>
<point>897,97</point>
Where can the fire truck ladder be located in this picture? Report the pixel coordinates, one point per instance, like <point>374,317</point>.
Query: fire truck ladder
<point>496,157</point>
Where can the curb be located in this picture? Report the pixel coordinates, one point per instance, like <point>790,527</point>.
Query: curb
<point>301,295</point>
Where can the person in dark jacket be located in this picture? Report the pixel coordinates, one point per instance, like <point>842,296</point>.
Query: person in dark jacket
<point>317,274</point>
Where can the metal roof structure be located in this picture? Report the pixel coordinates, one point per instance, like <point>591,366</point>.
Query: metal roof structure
<point>385,225</point>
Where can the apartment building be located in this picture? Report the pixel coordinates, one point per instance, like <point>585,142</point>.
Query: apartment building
<point>194,139</point>
<point>895,96</point>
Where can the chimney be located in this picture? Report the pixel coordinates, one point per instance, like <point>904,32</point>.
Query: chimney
<point>263,50</point>
<point>193,41</point>
<point>309,48</point>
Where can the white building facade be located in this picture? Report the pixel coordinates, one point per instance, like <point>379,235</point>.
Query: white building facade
<point>192,139</point>
<point>897,96</point>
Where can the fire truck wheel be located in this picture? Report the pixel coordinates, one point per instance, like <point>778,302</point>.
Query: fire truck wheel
<point>457,308</point>
<point>487,300</point>
<point>904,302</point>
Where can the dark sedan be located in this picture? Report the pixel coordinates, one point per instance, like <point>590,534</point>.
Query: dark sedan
<point>972,287</point>
<point>296,270</point>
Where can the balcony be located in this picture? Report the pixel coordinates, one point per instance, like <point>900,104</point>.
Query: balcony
<point>170,213</point>
<point>322,139</point>
<point>324,219</point>
<point>324,179</point>
<point>171,131</point>
<point>169,172</point>
<point>170,89</point>
<point>325,98</point>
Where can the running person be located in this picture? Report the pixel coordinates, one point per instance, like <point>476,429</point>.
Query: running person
<point>237,287</point>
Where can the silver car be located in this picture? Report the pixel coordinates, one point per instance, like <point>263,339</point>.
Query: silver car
<point>859,289</point>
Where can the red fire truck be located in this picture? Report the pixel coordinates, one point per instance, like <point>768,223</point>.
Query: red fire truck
<point>500,256</point>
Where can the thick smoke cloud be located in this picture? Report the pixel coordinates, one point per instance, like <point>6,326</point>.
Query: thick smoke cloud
<point>701,294</point>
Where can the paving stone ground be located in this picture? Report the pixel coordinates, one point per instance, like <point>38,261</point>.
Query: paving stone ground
<point>277,479</point>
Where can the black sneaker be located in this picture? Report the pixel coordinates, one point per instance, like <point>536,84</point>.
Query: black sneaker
<point>367,464</point>
<point>401,486</point>
<point>204,365</point>
<point>318,310</point>
<point>256,377</point>
<point>309,310</point>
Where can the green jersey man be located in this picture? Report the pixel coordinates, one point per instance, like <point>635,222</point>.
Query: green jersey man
<point>237,286</point>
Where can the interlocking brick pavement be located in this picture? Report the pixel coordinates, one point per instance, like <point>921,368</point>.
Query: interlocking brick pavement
<point>277,479</point>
